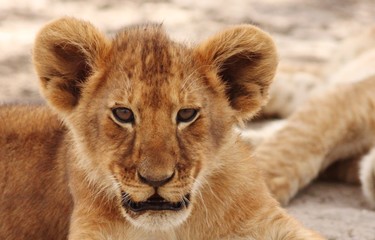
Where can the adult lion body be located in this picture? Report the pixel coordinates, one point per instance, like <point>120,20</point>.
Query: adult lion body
<point>35,199</point>
<point>142,143</point>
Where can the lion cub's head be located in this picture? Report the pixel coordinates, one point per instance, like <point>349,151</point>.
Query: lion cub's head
<point>148,116</point>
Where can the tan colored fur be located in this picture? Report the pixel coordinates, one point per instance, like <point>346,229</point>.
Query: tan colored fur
<point>336,122</point>
<point>328,128</point>
<point>71,167</point>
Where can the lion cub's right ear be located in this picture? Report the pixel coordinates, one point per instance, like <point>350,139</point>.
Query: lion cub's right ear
<point>66,53</point>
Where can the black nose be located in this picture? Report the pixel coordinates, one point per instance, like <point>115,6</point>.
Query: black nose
<point>155,182</point>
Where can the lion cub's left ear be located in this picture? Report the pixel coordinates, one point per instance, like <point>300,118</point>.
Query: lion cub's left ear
<point>245,59</point>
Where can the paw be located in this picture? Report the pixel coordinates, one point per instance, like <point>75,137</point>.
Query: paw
<point>367,177</point>
<point>283,189</point>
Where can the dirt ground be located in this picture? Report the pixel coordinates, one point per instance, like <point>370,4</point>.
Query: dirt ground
<point>307,33</point>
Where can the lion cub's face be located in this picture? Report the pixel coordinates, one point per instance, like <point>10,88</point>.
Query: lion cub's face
<point>151,127</point>
<point>149,116</point>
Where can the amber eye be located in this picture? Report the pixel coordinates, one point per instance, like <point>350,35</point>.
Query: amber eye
<point>186,115</point>
<point>124,115</point>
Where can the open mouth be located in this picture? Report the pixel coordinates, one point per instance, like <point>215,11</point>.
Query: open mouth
<point>155,203</point>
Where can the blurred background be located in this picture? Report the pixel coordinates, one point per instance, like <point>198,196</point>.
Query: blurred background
<point>307,33</point>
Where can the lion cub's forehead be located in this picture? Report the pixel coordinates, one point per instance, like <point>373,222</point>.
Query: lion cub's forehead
<point>148,65</point>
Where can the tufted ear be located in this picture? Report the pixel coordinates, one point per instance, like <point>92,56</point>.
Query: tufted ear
<point>66,53</point>
<point>245,60</point>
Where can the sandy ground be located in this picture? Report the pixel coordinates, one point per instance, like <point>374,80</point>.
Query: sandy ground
<point>307,33</point>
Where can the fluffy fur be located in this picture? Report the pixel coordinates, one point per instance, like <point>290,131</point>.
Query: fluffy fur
<point>71,168</point>
<point>336,122</point>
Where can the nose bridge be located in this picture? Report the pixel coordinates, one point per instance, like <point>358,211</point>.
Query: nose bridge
<point>157,153</point>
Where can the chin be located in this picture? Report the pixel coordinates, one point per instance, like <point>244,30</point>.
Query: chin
<point>158,220</point>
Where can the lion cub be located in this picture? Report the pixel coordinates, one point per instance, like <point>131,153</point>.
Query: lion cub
<point>332,126</point>
<point>139,143</point>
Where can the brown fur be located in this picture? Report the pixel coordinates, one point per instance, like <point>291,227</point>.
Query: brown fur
<point>83,75</point>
